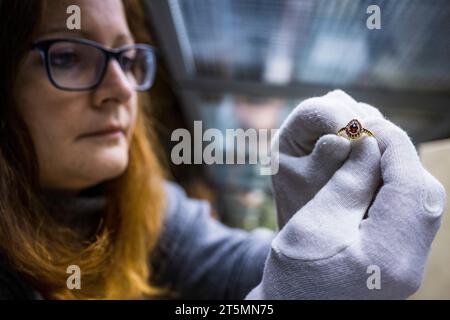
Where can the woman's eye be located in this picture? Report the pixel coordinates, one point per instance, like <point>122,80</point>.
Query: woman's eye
<point>64,60</point>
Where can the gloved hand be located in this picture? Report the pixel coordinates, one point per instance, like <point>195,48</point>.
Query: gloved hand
<point>313,124</point>
<point>326,249</point>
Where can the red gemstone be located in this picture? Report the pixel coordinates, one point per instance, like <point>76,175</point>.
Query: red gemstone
<point>354,128</point>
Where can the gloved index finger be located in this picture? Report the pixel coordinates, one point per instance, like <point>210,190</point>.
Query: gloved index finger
<point>400,163</point>
<point>410,199</point>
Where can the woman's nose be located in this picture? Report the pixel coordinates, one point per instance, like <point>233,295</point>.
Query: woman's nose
<point>114,85</point>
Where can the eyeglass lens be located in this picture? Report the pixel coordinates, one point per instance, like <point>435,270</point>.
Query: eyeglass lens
<point>80,66</point>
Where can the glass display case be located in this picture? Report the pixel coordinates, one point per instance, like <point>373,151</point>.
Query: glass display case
<point>247,64</point>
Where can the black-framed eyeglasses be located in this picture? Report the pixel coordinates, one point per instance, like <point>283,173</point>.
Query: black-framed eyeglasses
<point>79,64</point>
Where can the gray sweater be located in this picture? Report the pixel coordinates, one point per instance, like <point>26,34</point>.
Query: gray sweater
<point>198,256</point>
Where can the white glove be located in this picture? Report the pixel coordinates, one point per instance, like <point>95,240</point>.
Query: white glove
<point>326,248</point>
<point>313,124</point>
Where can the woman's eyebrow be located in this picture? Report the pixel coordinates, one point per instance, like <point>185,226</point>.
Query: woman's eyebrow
<point>64,30</point>
<point>121,38</point>
<point>124,38</point>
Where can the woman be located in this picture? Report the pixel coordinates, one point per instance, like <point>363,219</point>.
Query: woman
<point>81,185</point>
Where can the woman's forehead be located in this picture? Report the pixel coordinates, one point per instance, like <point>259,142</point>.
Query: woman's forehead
<point>100,19</point>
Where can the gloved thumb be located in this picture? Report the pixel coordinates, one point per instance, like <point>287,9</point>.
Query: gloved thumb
<point>330,221</point>
<point>306,175</point>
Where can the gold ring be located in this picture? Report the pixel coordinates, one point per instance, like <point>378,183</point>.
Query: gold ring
<point>354,130</point>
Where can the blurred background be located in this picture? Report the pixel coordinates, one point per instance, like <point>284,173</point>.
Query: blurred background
<point>247,64</point>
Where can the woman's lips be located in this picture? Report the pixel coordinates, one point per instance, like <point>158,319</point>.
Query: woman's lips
<point>107,133</point>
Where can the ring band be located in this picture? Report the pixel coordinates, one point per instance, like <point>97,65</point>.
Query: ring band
<point>354,130</point>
